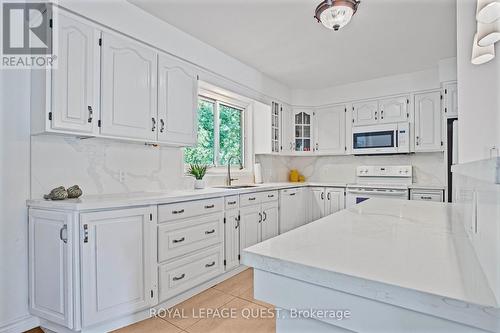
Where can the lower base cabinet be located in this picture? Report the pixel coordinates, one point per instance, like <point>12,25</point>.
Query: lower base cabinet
<point>324,201</point>
<point>231,239</point>
<point>258,223</point>
<point>292,213</point>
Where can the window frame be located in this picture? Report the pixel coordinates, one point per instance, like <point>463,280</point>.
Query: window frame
<point>244,107</point>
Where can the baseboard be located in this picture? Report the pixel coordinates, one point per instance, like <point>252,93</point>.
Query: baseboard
<point>20,325</point>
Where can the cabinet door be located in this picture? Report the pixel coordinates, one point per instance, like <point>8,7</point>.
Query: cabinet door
<point>117,263</point>
<point>365,113</point>
<point>451,100</point>
<point>303,130</point>
<point>335,201</point>
<point>50,266</point>
<point>428,122</point>
<point>250,219</point>
<point>329,130</point>
<point>287,219</point>
<point>287,128</point>
<point>393,110</point>
<point>232,239</point>
<point>269,224</point>
<point>263,119</point>
<point>177,103</point>
<point>128,89</point>
<point>316,207</point>
<point>75,83</point>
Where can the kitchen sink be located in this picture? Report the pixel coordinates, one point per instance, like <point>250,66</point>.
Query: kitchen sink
<point>235,187</point>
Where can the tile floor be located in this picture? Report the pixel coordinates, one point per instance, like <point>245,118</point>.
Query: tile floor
<point>234,294</point>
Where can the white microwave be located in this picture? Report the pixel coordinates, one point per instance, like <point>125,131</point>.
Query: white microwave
<point>381,139</point>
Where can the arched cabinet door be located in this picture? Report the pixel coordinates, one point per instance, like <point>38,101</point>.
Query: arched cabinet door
<point>177,102</point>
<point>303,130</point>
<point>128,89</point>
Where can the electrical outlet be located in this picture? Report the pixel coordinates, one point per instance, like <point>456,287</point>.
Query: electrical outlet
<point>121,176</point>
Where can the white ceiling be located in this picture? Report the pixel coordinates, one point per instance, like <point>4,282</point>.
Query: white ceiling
<point>281,39</point>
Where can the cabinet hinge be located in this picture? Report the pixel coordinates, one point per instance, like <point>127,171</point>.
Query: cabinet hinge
<point>100,41</point>
<point>151,217</point>
<point>446,91</point>
<point>353,120</point>
<point>50,116</point>
<point>445,110</point>
<point>99,123</point>
<point>407,101</point>
<point>51,23</point>
<point>239,257</point>
<point>224,220</point>
<point>345,110</point>
<point>442,143</point>
<point>407,115</point>
<point>224,262</point>
<point>441,96</point>
<point>85,233</point>
<point>152,293</point>
<point>345,148</point>
<point>239,217</point>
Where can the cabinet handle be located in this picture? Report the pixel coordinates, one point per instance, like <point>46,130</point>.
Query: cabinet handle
<point>85,233</point>
<point>91,114</point>
<point>177,278</point>
<point>231,203</point>
<point>251,199</point>
<point>270,195</point>
<point>317,146</point>
<point>210,265</point>
<point>426,198</point>
<point>162,127</point>
<point>237,223</point>
<point>382,114</point>
<point>209,206</point>
<point>153,128</point>
<point>265,216</point>
<point>329,196</point>
<point>376,113</point>
<point>209,232</point>
<point>61,231</point>
<point>322,195</point>
<point>178,211</point>
<point>260,215</point>
<point>292,194</point>
<point>180,240</point>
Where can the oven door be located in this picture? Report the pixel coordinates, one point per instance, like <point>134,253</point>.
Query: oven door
<point>358,195</point>
<point>375,140</point>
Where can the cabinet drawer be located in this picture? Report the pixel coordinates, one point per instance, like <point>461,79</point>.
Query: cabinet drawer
<point>250,199</point>
<point>186,209</point>
<point>427,195</point>
<point>175,239</point>
<point>232,202</point>
<point>269,196</point>
<point>186,273</point>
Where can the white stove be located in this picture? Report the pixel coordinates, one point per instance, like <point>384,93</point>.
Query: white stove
<point>390,182</point>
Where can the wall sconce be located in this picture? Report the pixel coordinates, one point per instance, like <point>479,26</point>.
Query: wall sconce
<point>487,11</point>
<point>482,54</point>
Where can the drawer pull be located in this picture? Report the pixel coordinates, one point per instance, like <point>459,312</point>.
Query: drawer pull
<point>426,198</point>
<point>291,194</point>
<point>177,278</point>
<point>210,265</point>
<point>231,203</point>
<point>251,199</point>
<point>178,211</point>
<point>209,232</point>
<point>180,240</point>
<point>270,196</point>
<point>209,206</point>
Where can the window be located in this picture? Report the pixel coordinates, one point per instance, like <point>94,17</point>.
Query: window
<point>220,134</point>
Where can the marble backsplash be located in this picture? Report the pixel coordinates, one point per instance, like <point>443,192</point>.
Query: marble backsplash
<point>428,168</point>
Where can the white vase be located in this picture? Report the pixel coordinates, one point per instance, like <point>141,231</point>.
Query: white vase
<point>199,184</point>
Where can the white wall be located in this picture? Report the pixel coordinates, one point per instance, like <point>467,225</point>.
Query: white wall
<point>14,190</point>
<point>478,92</point>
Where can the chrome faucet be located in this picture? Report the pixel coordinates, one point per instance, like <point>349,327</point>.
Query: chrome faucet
<point>229,179</point>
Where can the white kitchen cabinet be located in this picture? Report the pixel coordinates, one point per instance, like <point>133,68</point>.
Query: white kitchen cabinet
<point>51,265</point>
<point>428,126</point>
<point>287,129</point>
<point>329,130</point>
<point>451,100</point>
<point>422,194</point>
<point>365,113</point>
<point>269,224</point>
<point>266,128</point>
<point>293,209</point>
<point>250,218</point>
<point>128,88</point>
<point>231,239</point>
<point>177,102</point>
<point>302,130</point>
<point>324,201</point>
<point>118,267</point>
<point>394,109</point>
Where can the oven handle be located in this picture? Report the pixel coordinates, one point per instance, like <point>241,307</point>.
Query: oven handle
<point>376,192</point>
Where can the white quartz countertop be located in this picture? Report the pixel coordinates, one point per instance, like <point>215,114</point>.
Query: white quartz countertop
<point>92,202</point>
<point>411,248</point>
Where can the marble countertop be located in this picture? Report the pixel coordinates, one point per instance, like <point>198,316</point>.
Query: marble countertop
<point>412,254</point>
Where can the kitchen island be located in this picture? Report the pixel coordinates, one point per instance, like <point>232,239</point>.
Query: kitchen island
<point>380,266</point>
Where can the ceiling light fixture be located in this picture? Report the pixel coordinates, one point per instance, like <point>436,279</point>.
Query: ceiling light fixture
<point>335,14</point>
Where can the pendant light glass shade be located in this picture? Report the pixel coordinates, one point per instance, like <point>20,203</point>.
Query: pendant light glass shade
<point>480,54</point>
<point>488,33</point>
<point>487,11</point>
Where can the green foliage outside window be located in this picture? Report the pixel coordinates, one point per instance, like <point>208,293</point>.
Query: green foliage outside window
<point>230,135</point>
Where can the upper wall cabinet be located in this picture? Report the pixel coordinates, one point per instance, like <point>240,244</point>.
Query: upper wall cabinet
<point>365,113</point>
<point>303,130</point>
<point>428,134</point>
<point>177,102</point>
<point>329,130</point>
<point>128,88</point>
<point>393,110</point>
<point>267,128</point>
<point>451,100</point>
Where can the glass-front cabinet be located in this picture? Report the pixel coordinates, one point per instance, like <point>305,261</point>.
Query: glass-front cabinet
<point>303,129</point>
<point>275,127</point>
